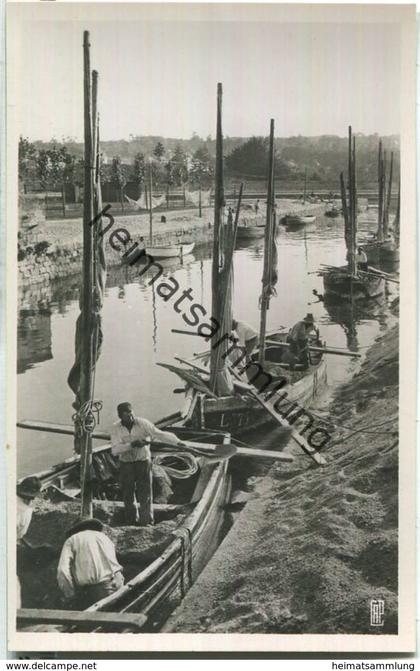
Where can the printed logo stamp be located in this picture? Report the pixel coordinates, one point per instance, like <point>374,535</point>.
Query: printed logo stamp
<point>377,611</point>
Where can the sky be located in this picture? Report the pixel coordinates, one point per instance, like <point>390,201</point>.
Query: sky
<point>159,77</point>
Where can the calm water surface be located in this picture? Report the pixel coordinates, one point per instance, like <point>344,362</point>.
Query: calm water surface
<point>137,326</point>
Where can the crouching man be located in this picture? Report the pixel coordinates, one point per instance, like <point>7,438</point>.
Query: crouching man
<point>88,569</point>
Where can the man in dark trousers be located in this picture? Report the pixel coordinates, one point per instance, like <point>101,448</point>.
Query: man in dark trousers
<point>130,438</point>
<point>298,339</point>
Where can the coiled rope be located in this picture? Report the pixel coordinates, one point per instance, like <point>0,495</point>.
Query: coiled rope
<point>178,465</point>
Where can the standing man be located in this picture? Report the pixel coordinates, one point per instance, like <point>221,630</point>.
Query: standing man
<point>27,490</point>
<point>88,569</point>
<point>298,339</point>
<point>130,438</point>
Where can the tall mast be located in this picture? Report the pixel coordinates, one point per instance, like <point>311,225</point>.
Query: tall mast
<point>150,205</point>
<point>352,207</point>
<point>380,192</point>
<point>388,197</point>
<point>268,246</point>
<point>218,208</point>
<point>87,290</point>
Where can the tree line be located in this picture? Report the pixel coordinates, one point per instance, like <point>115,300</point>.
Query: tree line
<point>178,163</point>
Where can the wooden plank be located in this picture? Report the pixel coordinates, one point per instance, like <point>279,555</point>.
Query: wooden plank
<point>52,427</point>
<point>245,452</point>
<point>269,406</point>
<point>80,617</point>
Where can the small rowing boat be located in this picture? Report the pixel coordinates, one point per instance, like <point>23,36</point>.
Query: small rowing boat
<point>297,220</point>
<point>170,251</point>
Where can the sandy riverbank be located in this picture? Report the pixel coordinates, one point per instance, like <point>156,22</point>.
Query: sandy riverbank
<point>315,546</point>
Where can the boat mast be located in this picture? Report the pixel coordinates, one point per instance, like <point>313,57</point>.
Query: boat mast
<point>87,290</point>
<point>218,209</point>
<point>268,246</point>
<point>224,237</point>
<point>397,216</point>
<point>150,205</point>
<point>351,208</point>
<point>388,197</point>
<point>379,233</point>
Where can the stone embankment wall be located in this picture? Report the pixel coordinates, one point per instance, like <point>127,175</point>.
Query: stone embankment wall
<point>63,257</point>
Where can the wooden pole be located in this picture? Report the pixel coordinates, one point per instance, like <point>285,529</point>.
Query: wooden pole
<point>397,216</point>
<point>63,193</point>
<point>388,199</point>
<point>381,177</point>
<point>354,207</point>
<point>268,242</point>
<point>304,186</point>
<point>95,154</point>
<point>87,290</point>
<point>150,205</point>
<point>199,200</point>
<point>351,237</point>
<point>218,207</point>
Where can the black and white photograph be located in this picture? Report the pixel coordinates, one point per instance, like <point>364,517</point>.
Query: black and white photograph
<point>211,375</point>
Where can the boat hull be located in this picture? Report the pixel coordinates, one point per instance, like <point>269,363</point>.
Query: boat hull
<point>158,588</point>
<point>240,414</point>
<point>297,221</point>
<point>382,252</point>
<point>170,251</point>
<point>250,232</point>
<point>343,285</point>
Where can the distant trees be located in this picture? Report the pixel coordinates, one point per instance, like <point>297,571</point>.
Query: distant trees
<point>159,151</point>
<point>180,166</point>
<point>26,159</point>
<point>250,158</point>
<point>118,178</point>
<point>202,166</point>
<point>139,172</point>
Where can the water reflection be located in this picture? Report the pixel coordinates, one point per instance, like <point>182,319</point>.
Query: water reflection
<point>34,337</point>
<point>137,323</point>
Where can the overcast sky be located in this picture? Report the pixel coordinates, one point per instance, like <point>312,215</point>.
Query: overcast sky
<point>160,77</point>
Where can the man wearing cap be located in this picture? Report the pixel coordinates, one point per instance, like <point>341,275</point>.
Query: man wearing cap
<point>298,339</point>
<point>88,569</point>
<point>130,438</point>
<point>27,490</point>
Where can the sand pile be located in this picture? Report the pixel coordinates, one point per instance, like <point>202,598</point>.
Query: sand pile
<point>136,547</point>
<point>318,545</point>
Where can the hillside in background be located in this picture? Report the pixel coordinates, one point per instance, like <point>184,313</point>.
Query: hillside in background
<point>177,162</point>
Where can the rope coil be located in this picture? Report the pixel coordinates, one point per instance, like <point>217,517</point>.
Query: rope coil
<point>84,419</point>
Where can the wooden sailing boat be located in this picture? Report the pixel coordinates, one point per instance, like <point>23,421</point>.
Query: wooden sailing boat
<point>160,562</point>
<point>252,401</point>
<point>349,282</point>
<point>164,251</point>
<point>385,247</point>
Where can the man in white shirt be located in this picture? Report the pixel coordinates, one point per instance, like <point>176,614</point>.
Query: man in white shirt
<point>88,569</point>
<point>130,438</point>
<point>27,490</point>
<point>247,336</point>
<point>361,259</point>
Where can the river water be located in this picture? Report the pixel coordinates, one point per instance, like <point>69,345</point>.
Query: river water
<point>137,325</point>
